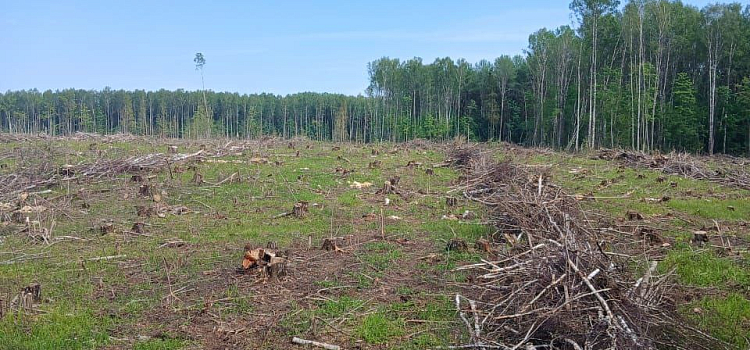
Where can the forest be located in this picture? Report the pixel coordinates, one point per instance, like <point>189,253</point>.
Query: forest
<point>643,75</point>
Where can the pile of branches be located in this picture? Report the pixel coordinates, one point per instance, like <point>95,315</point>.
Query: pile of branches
<point>724,170</point>
<point>42,174</point>
<point>555,286</point>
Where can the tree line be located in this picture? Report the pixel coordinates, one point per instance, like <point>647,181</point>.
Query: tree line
<point>649,75</point>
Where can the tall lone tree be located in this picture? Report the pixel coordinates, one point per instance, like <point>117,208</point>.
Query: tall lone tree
<point>200,61</point>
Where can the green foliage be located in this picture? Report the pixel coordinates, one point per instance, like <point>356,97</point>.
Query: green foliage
<point>728,318</point>
<point>378,328</point>
<point>683,124</point>
<point>61,328</point>
<point>706,269</point>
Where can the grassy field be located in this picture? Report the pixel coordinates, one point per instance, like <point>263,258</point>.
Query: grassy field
<point>178,284</point>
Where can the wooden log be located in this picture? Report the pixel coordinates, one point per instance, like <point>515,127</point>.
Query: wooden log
<point>301,341</point>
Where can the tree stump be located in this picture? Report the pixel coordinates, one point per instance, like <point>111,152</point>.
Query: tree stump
<point>145,190</point>
<point>395,180</point>
<point>197,178</point>
<point>300,209</point>
<point>457,245</point>
<point>172,149</point>
<point>276,267</point>
<point>144,211</point>
<point>386,189</point>
<point>106,228</point>
<point>633,215</point>
<point>483,245</point>
<point>35,290</point>
<point>271,245</point>
<point>429,172</point>
<point>375,152</point>
<point>700,237</point>
<point>297,154</point>
<point>375,164</point>
<point>139,228</point>
<point>329,244</point>
<point>451,201</point>
<point>136,178</point>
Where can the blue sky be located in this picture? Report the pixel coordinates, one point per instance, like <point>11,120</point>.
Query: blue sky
<point>251,46</point>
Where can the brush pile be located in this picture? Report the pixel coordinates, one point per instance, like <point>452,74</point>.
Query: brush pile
<point>554,285</point>
<point>724,170</point>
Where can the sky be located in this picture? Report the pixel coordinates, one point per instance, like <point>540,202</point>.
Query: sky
<point>278,47</point>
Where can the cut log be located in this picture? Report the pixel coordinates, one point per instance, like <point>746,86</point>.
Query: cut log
<point>301,341</point>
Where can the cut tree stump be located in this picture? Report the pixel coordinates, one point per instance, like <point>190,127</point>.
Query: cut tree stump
<point>395,180</point>
<point>172,149</point>
<point>35,290</point>
<point>329,244</point>
<point>136,178</point>
<point>266,261</point>
<point>375,152</point>
<point>139,228</point>
<point>483,245</point>
<point>106,228</point>
<point>633,215</point>
<point>145,190</point>
<point>386,189</point>
<point>451,201</point>
<point>300,209</point>
<point>197,178</point>
<point>375,164</point>
<point>457,245</point>
<point>429,172</point>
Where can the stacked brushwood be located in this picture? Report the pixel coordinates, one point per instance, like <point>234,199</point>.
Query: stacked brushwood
<point>725,170</point>
<point>41,174</point>
<point>554,286</point>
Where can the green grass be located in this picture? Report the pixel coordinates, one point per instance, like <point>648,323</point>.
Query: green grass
<point>378,328</point>
<point>727,318</point>
<point>730,209</point>
<point>705,269</point>
<point>61,328</point>
<point>159,344</point>
<point>380,255</point>
<point>338,307</point>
